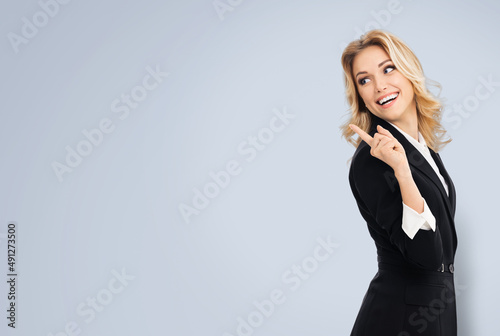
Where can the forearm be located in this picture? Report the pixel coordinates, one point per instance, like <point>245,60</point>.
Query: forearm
<point>409,192</point>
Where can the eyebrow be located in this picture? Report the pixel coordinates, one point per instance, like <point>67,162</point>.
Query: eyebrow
<point>380,64</point>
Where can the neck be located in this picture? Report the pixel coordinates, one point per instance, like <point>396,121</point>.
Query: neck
<point>410,127</point>
<point>409,122</point>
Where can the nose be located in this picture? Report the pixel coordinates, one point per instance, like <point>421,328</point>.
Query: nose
<point>380,85</point>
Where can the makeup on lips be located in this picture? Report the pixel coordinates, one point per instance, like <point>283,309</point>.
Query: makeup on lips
<point>388,100</point>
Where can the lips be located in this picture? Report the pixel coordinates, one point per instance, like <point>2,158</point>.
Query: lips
<point>387,99</point>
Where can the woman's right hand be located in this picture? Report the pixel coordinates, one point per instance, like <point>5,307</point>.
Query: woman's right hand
<point>386,147</point>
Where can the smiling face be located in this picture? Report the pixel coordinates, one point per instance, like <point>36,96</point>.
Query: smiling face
<point>384,90</point>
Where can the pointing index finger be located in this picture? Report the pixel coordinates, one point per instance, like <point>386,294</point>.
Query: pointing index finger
<point>362,134</point>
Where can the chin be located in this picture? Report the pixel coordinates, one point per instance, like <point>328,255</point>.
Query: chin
<point>390,115</point>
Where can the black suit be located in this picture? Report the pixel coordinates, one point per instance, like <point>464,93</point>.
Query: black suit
<point>410,294</point>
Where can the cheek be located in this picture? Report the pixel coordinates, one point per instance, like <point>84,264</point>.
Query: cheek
<point>403,83</point>
<point>364,96</point>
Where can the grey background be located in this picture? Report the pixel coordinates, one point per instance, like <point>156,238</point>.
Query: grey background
<point>228,74</point>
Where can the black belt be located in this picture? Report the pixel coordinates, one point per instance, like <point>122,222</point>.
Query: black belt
<point>386,264</point>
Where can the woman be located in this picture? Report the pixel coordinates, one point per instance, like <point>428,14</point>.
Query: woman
<point>402,190</point>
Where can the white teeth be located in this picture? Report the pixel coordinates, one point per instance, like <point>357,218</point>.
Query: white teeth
<point>383,100</point>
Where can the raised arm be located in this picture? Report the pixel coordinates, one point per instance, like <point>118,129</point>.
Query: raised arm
<point>381,182</point>
<point>386,148</point>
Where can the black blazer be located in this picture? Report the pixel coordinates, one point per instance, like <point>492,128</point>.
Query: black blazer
<point>410,272</point>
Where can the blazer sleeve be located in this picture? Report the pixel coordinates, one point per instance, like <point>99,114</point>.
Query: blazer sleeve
<point>379,199</point>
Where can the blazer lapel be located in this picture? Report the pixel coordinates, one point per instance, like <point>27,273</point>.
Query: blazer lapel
<point>451,191</point>
<point>451,187</point>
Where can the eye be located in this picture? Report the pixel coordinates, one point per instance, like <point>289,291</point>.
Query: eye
<point>389,68</point>
<point>363,81</point>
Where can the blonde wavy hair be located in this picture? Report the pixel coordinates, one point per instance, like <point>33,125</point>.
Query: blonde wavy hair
<point>429,106</point>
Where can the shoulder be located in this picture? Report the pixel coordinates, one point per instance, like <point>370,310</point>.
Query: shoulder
<point>364,161</point>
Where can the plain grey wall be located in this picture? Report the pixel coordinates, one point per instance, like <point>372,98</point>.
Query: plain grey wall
<point>142,105</point>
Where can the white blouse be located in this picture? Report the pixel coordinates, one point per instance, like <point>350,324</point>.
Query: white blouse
<point>412,220</point>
